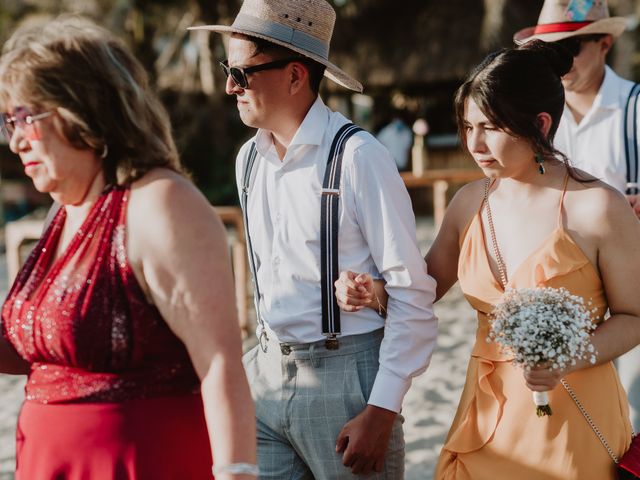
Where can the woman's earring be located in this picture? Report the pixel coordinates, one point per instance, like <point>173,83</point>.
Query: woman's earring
<point>105,151</point>
<point>539,162</point>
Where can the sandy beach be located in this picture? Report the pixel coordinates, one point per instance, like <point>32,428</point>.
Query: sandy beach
<point>428,408</point>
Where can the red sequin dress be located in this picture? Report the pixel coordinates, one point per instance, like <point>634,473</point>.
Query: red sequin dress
<point>112,393</point>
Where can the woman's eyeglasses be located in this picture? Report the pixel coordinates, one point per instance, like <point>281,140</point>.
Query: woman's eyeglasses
<point>23,118</point>
<point>239,74</point>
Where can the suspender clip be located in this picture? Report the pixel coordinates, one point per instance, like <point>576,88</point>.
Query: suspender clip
<point>263,340</point>
<point>332,343</point>
<point>331,191</point>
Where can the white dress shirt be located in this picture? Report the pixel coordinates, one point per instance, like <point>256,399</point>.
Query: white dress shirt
<point>376,235</point>
<point>596,144</point>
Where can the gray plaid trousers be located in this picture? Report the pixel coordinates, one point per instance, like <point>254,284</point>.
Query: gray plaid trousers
<point>305,398</point>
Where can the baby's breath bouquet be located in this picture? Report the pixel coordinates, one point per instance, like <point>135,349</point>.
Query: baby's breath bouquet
<point>543,326</point>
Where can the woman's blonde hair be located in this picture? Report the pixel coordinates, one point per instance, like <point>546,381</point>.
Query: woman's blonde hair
<point>99,89</point>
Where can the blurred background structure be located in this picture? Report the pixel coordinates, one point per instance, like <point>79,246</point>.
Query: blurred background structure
<point>411,55</point>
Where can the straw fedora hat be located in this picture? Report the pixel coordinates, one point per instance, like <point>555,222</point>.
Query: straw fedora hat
<point>304,26</point>
<point>568,18</point>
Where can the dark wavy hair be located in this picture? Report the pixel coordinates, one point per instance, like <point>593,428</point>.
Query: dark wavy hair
<point>512,86</point>
<point>98,88</point>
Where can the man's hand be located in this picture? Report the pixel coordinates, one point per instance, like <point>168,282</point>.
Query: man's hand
<point>634,201</point>
<point>365,438</point>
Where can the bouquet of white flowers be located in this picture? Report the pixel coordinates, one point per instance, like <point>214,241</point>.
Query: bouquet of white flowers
<point>543,326</point>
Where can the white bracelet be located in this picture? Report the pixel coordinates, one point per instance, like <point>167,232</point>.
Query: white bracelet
<point>237,469</point>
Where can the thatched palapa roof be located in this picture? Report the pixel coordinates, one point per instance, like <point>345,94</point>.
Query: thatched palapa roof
<point>408,43</point>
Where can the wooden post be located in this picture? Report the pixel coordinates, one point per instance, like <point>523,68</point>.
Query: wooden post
<point>440,180</point>
<point>440,188</point>
<point>17,234</point>
<point>233,216</point>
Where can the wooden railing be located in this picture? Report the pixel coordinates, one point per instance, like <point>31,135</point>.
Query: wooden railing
<point>440,180</point>
<point>22,231</point>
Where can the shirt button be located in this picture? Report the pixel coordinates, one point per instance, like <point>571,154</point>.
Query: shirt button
<point>276,260</point>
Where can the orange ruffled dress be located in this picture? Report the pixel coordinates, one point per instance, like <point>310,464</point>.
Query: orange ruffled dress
<point>496,433</point>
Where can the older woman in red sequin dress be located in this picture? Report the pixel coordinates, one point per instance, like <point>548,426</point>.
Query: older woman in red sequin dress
<point>121,315</point>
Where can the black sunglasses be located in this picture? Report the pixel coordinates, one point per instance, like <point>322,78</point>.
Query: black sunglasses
<point>574,44</point>
<point>239,74</point>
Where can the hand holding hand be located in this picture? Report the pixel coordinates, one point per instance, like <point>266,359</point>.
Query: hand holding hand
<point>354,291</point>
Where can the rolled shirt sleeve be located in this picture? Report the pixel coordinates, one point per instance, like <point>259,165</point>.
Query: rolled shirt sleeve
<point>386,218</point>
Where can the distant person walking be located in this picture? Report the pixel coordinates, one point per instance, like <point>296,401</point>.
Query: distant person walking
<point>398,138</point>
<point>597,131</point>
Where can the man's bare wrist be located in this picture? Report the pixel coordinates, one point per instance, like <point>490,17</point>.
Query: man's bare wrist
<point>383,412</point>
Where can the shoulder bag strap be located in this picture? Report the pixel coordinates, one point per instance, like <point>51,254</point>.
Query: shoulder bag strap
<point>589,420</point>
<point>329,218</point>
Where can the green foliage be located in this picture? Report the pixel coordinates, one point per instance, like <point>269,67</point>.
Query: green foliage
<point>206,127</point>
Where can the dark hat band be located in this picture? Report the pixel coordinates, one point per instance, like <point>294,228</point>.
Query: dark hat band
<point>282,33</point>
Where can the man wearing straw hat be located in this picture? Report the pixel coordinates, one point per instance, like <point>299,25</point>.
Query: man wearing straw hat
<point>597,130</point>
<point>321,196</point>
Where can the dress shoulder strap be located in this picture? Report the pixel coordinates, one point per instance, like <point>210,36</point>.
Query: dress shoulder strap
<point>489,182</point>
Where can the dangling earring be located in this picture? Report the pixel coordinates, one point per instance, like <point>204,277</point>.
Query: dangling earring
<point>105,151</point>
<point>539,162</point>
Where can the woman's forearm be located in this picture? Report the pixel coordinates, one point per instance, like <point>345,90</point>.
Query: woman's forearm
<point>613,338</point>
<point>230,414</point>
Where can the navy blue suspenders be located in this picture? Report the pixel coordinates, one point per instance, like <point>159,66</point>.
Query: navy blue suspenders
<point>631,140</point>
<point>329,235</point>
<point>329,220</point>
<point>244,198</point>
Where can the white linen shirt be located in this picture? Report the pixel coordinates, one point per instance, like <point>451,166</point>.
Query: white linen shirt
<point>376,235</point>
<point>596,145</point>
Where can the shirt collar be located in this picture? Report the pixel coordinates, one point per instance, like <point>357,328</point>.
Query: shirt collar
<point>310,132</point>
<point>609,93</point>
<point>312,128</point>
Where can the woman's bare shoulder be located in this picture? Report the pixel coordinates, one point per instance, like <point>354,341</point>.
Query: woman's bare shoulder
<point>160,180</point>
<point>466,203</point>
<point>164,201</point>
<point>593,205</point>
<point>164,189</point>
<point>472,190</point>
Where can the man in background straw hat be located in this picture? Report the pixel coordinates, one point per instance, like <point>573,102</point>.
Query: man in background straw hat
<point>592,130</point>
<point>328,388</point>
